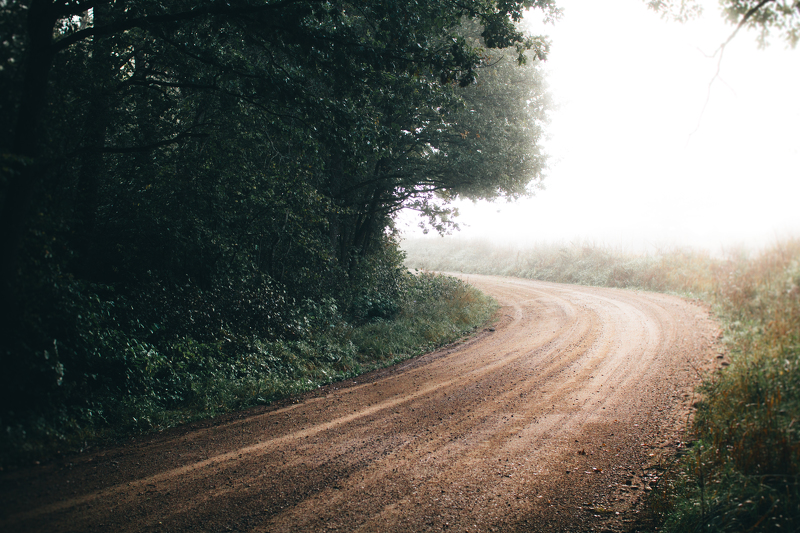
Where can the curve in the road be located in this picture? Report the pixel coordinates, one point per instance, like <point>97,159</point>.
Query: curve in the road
<point>554,420</point>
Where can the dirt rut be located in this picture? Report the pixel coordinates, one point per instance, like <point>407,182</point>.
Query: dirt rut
<point>554,419</point>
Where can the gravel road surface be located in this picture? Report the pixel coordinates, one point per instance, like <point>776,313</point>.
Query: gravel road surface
<point>556,418</point>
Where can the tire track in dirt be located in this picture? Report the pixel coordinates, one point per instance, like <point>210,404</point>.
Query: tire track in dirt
<point>537,425</point>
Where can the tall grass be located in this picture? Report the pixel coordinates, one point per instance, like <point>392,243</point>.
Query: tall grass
<point>685,271</point>
<point>742,474</point>
<point>743,471</point>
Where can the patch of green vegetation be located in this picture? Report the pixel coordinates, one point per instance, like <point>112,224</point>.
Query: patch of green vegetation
<point>134,381</point>
<point>436,310</point>
<point>742,472</point>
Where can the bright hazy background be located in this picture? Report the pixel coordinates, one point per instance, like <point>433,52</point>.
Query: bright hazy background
<point>638,158</point>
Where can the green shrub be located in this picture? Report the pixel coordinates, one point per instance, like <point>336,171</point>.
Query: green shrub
<point>169,353</point>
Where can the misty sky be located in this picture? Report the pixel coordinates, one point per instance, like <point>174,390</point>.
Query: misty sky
<point>635,159</point>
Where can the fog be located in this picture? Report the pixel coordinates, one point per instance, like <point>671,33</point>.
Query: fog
<point>648,148</point>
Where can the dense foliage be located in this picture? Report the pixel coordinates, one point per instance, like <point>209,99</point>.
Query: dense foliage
<point>185,187</point>
<point>124,378</point>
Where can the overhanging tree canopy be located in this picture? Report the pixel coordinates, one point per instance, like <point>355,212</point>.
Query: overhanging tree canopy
<point>124,103</point>
<point>185,182</point>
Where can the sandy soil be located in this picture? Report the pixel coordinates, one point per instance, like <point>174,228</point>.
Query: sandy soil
<point>554,419</point>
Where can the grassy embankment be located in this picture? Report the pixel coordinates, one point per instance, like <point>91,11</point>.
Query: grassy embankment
<point>193,380</point>
<point>742,471</point>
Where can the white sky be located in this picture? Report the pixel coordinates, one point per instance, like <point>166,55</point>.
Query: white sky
<point>627,168</point>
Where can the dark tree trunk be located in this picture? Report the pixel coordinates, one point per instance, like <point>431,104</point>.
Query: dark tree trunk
<point>26,172</point>
<point>87,193</point>
<point>364,229</point>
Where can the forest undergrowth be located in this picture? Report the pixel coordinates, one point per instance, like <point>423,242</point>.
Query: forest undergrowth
<point>740,472</point>
<point>138,378</point>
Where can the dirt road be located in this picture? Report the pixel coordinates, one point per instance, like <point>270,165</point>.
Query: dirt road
<point>552,420</point>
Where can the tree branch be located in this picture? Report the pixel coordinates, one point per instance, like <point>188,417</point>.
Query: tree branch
<point>721,51</point>
<point>151,20</point>
<point>135,149</point>
<point>752,11</point>
<point>69,9</point>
